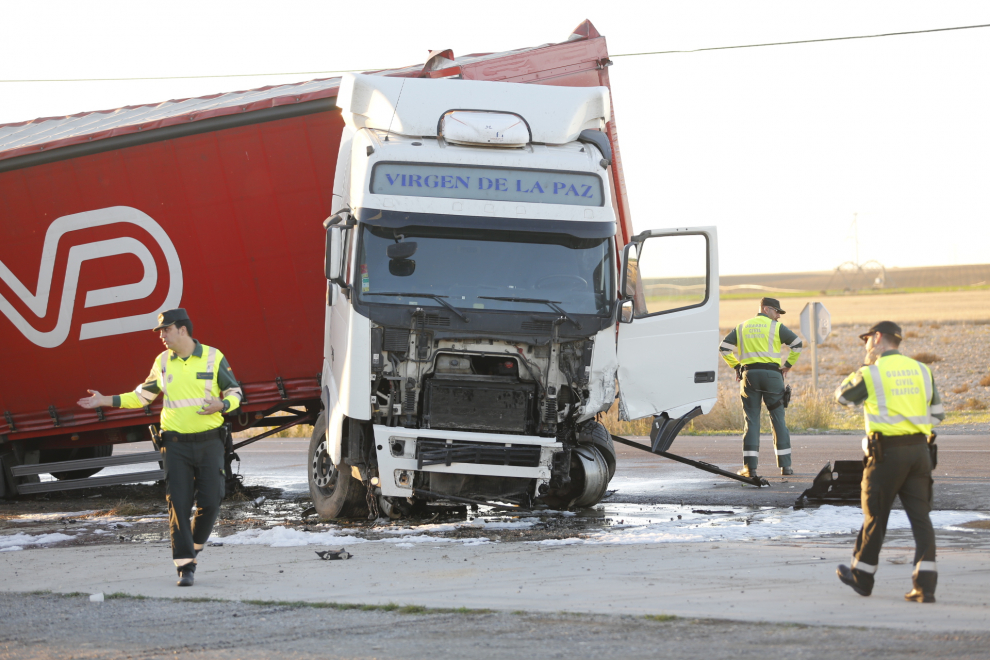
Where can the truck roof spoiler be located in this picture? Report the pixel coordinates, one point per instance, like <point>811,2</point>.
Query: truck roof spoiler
<point>600,140</point>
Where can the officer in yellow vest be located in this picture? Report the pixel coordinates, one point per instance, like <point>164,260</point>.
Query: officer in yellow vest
<point>198,387</point>
<point>761,368</point>
<point>901,405</point>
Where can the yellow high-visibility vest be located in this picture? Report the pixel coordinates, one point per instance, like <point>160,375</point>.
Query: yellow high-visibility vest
<point>758,340</point>
<point>900,394</point>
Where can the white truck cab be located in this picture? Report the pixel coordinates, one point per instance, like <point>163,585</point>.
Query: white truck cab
<point>479,312</point>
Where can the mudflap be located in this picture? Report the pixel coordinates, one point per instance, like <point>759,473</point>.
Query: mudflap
<point>839,481</point>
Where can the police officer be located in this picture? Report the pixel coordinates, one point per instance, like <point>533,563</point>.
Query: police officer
<point>198,387</point>
<point>901,406</point>
<point>760,367</point>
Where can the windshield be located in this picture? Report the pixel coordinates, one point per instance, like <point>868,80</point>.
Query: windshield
<point>466,268</point>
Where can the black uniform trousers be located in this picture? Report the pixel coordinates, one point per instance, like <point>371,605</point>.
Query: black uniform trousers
<point>195,473</point>
<point>905,472</point>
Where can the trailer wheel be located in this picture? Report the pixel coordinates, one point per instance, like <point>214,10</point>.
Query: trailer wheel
<point>56,455</point>
<point>336,493</point>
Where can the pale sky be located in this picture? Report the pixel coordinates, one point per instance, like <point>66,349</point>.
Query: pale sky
<point>778,147</point>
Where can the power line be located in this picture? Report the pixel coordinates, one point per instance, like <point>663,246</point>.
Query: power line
<point>657,52</point>
<point>805,41</point>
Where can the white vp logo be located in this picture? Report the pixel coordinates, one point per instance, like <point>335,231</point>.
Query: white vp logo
<point>38,301</point>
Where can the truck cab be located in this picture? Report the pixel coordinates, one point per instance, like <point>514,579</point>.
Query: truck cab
<point>479,310</point>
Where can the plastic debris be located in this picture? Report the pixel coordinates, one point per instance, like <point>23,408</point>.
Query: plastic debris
<point>96,598</point>
<point>333,554</point>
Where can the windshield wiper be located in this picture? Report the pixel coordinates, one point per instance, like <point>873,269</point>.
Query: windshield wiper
<point>552,304</point>
<point>435,296</point>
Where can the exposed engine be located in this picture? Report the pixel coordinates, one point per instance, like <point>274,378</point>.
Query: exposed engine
<point>426,378</point>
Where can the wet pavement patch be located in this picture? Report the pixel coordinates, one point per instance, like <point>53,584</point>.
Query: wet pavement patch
<point>264,516</point>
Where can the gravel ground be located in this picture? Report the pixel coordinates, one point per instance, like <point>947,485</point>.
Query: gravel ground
<point>961,349</point>
<point>48,626</point>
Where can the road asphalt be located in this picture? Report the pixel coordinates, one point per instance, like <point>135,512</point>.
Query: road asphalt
<point>558,586</point>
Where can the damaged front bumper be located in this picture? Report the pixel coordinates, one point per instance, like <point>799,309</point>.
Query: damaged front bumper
<point>402,453</point>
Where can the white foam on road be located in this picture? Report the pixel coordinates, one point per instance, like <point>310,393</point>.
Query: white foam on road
<point>654,524</point>
<point>283,537</point>
<point>12,542</point>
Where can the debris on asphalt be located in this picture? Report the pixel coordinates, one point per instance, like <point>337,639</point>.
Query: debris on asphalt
<point>333,554</point>
<point>96,598</point>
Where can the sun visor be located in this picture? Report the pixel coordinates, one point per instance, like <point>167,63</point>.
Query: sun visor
<point>415,106</point>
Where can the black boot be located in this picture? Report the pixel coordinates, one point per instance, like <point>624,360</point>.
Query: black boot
<point>924,587</point>
<point>858,580</point>
<point>186,574</point>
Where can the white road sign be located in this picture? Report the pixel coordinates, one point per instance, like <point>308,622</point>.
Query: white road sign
<point>823,322</point>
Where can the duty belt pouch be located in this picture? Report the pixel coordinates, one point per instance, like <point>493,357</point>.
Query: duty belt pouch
<point>876,448</point>
<point>933,450</point>
<point>228,439</point>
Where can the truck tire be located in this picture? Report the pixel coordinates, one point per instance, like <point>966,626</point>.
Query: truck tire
<point>75,454</point>
<point>596,435</point>
<point>336,493</point>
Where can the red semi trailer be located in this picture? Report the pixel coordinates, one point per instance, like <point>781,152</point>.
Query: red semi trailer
<point>214,204</point>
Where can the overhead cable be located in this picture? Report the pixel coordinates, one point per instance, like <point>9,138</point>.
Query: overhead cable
<point>656,52</point>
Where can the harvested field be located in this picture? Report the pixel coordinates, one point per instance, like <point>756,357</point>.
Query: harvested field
<point>904,308</point>
<point>960,360</point>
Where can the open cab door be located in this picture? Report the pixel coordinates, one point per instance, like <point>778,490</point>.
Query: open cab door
<point>668,334</point>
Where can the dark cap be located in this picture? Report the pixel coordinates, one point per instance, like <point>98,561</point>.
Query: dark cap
<point>169,317</point>
<point>771,302</point>
<point>886,327</point>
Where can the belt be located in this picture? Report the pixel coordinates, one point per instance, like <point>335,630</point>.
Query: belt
<point>212,434</point>
<point>903,440</point>
<point>761,365</point>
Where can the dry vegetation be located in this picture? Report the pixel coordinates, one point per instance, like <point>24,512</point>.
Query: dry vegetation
<point>956,352</point>
<point>124,507</point>
<point>809,410</point>
<point>926,357</point>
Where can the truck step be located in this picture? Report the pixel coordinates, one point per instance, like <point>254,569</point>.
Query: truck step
<point>90,482</point>
<point>85,464</point>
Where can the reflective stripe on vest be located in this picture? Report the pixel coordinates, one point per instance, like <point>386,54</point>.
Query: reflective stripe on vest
<point>900,393</point>
<point>765,346</point>
<point>183,415</point>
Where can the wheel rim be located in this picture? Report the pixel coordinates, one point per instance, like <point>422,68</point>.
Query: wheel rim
<point>324,472</point>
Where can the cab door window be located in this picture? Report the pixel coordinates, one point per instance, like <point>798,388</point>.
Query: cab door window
<point>671,273</point>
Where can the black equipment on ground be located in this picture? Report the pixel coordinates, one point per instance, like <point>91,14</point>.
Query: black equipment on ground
<point>836,482</point>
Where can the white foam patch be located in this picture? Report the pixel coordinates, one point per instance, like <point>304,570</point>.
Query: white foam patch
<point>765,524</point>
<point>12,542</point>
<point>284,537</point>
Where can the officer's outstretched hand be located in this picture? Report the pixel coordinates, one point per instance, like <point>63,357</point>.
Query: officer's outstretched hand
<point>211,406</point>
<point>95,400</point>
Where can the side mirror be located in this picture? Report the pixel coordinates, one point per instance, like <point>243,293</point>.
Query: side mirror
<point>626,311</point>
<point>334,259</point>
<point>630,271</point>
<point>402,250</point>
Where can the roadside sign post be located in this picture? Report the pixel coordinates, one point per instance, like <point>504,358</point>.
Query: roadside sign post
<point>816,326</point>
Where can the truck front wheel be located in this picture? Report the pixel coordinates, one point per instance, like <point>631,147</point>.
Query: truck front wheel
<point>336,493</point>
